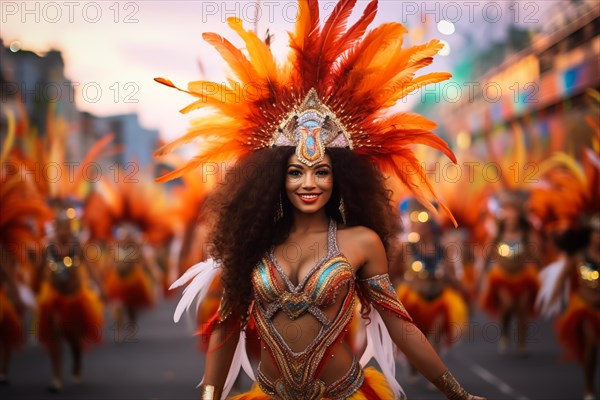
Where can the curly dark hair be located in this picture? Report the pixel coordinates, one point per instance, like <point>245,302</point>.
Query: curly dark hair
<point>244,210</point>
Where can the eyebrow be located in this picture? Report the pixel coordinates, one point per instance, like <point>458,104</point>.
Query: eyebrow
<point>300,166</point>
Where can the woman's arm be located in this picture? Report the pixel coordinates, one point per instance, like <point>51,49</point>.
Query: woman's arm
<point>221,349</point>
<point>448,265</point>
<point>148,262</point>
<point>411,341</point>
<point>488,253</point>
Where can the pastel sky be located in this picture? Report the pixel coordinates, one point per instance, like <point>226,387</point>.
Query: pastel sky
<point>121,46</point>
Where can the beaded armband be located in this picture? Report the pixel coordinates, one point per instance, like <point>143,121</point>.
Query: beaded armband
<point>209,392</point>
<point>380,291</point>
<point>450,387</point>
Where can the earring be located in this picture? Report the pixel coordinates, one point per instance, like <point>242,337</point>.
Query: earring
<point>342,210</point>
<point>279,213</point>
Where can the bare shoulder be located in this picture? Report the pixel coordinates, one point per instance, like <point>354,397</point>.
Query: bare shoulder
<point>358,235</point>
<point>360,245</point>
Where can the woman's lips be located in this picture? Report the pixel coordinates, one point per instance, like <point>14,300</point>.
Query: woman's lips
<point>308,197</point>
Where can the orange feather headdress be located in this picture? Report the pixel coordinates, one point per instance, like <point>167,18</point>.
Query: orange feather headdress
<point>568,195</point>
<point>570,192</point>
<point>130,204</point>
<point>24,210</point>
<point>335,90</point>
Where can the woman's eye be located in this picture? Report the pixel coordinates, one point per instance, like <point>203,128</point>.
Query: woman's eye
<point>323,172</point>
<point>294,172</point>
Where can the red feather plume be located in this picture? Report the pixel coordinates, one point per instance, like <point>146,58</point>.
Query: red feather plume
<point>359,75</point>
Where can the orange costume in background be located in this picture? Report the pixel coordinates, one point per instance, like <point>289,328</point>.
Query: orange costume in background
<point>77,315</point>
<point>512,262</point>
<point>428,296</point>
<point>128,216</point>
<point>66,304</point>
<point>567,204</point>
<point>449,303</point>
<point>568,326</point>
<point>516,284</point>
<point>134,289</point>
<point>22,214</point>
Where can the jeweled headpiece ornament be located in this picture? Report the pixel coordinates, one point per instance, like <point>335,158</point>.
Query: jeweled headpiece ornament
<point>335,91</point>
<point>310,128</point>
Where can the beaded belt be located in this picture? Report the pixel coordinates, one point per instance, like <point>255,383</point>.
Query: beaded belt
<point>338,390</point>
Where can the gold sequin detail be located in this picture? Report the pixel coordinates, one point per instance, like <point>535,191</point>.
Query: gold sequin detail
<point>380,291</point>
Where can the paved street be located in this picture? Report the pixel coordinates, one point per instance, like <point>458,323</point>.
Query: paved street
<point>160,361</point>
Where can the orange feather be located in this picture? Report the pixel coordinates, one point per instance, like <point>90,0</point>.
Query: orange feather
<point>236,60</point>
<point>359,75</point>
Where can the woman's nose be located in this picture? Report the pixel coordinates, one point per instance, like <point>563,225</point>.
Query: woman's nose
<point>309,181</point>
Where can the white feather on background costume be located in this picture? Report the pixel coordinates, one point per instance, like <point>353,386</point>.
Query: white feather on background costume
<point>381,347</point>
<point>548,280</point>
<point>199,278</point>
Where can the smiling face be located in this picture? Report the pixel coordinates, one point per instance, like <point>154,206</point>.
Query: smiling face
<point>309,188</point>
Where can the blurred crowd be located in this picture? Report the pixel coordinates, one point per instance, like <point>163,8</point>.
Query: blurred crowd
<point>73,253</point>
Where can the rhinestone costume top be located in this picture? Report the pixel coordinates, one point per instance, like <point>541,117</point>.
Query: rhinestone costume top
<point>273,291</point>
<point>61,266</point>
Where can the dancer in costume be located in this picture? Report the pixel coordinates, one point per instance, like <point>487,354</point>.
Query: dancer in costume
<point>23,214</point>
<point>572,199</point>
<point>130,281</point>
<point>578,327</point>
<point>68,308</point>
<point>22,208</point>
<point>512,262</point>
<point>131,277</point>
<point>11,310</point>
<point>431,291</point>
<point>303,222</point>
<point>467,199</point>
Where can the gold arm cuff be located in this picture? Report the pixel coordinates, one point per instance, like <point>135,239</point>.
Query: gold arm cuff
<point>449,386</point>
<point>380,291</point>
<point>209,392</point>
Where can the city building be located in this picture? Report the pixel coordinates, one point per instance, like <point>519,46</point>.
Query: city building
<point>541,89</point>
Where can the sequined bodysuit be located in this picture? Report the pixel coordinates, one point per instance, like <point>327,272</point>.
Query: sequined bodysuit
<point>63,267</point>
<point>273,292</point>
<point>511,255</point>
<point>425,272</point>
